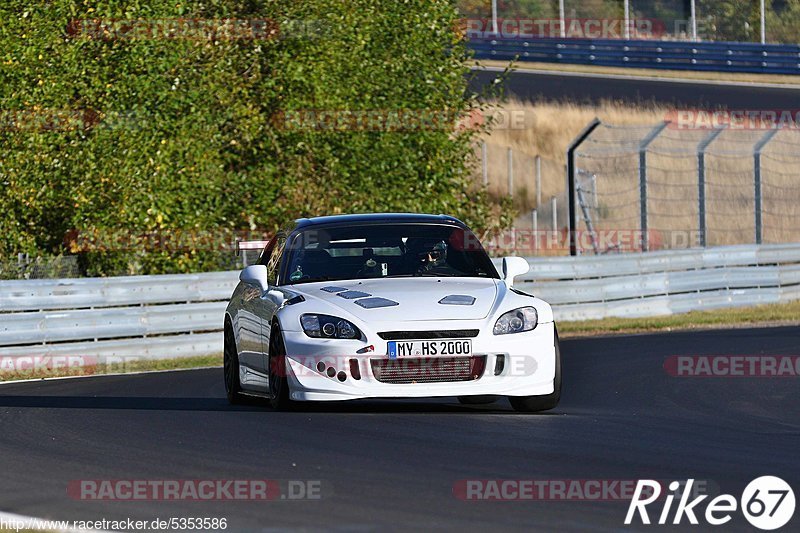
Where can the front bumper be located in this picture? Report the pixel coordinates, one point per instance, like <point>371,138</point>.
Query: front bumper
<point>521,364</point>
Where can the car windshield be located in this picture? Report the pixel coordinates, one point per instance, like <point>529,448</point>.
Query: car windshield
<point>384,251</point>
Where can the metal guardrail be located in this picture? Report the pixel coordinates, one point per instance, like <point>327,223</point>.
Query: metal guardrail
<point>148,316</point>
<point>665,282</point>
<point>181,315</point>
<point>681,55</point>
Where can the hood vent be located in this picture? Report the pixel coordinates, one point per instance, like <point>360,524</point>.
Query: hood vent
<point>352,295</point>
<point>372,303</point>
<point>457,299</point>
<point>333,289</point>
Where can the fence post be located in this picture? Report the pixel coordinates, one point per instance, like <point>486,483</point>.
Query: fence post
<point>538,180</point>
<point>510,172</point>
<point>554,206</point>
<point>484,164</point>
<point>535,229</point>
<point>571,175</point>
<point>655,132</point>
<point>701,182</point>
<point>757,198</point>
<point>627,9</point>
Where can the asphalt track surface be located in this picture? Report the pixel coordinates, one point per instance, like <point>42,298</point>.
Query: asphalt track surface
<point>532,86</point>
<point>392,465</point>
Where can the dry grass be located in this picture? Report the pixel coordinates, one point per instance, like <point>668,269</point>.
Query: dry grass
<point>548,130</point>
<point>611,154</point>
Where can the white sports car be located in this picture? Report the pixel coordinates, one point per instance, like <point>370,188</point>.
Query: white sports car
<point>387,306</point>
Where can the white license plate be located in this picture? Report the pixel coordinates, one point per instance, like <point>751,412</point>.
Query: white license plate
<point>432,348</point>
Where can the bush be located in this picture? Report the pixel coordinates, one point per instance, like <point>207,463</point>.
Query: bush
<point>137,134</point>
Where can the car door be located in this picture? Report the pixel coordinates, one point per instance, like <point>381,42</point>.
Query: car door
<point>249,341</point>
<point>248,324</point>
<point>265,307</point>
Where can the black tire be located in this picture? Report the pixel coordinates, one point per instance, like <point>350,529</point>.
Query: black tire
<point>477,400</point>
<point>536,404</point>
<point>278,384</point>
<point>233,388</point>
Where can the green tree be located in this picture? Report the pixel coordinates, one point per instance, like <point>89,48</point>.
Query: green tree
<point>176,134</point>
<point>783,22</point>
<point>730,20</point>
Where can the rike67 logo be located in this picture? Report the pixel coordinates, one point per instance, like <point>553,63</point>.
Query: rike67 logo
<point>767,503</point>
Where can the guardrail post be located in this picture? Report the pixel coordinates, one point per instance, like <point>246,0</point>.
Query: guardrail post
<point>646,142</point>
<point>571,176</point>
<point>701,182</point>
<point>757,197</point>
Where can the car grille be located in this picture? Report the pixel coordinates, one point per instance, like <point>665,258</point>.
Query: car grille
<point>442,334</point>
<point>428,369</point>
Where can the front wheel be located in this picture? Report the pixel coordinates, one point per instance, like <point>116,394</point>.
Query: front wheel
<point>278,384</point>
<point>535,404</point>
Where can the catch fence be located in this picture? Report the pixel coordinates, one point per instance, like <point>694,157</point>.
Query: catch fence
<point>684,187</point>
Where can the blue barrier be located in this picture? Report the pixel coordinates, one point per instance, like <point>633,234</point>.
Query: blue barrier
<point>700,56</point>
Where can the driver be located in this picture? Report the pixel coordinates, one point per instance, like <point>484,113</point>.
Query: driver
<point>435,259</point>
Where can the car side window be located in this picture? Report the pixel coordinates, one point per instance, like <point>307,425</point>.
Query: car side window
<point>274,261</point>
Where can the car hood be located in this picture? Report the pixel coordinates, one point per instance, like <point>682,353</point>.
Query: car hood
<point>417,298</point>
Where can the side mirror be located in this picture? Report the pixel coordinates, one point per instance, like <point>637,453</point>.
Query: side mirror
<point>256,275</point>
<point>513,267</point>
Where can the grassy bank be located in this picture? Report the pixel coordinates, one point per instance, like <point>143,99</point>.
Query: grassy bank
<point>141,365</point>
<point>762,315</point>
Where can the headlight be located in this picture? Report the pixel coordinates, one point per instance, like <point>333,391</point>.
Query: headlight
<point>328,327</point>
<point>516,321</point>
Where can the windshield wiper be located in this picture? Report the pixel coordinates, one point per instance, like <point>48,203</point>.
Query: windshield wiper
<point>312,280</point>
